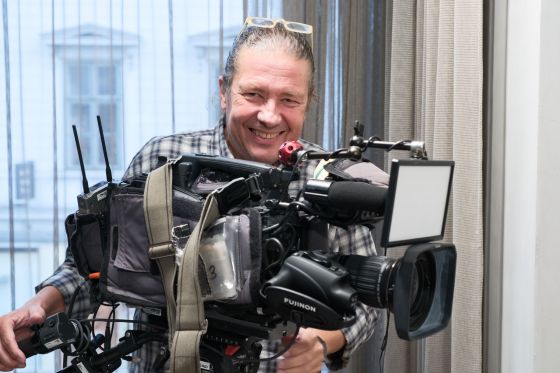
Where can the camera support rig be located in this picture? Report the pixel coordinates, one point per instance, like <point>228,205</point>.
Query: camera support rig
<point>292,152</point>
<point>418,292</point>
<point>59,332</point>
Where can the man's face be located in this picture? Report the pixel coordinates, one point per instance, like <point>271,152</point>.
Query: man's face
<point>266,103</point>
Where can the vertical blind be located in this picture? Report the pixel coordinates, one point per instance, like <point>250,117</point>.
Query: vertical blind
<point>148,68</point>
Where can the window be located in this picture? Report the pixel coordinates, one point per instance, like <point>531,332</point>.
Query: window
<point>93,88</point>
<point>205,50</point>
<point>144,75</point>
<point>71,61</point>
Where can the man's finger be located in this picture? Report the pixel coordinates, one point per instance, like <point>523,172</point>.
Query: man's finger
<point>286,340</point>
<point>10,355</point>
<point>24,333</point>
<point>10,345</point>
<point>324,345</point>
<point>308,362</point>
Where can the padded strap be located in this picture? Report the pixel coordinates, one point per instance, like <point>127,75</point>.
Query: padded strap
<point>190,322</point>
<point>185,356</point>
<point>185,313</point>
<point>158,215</point>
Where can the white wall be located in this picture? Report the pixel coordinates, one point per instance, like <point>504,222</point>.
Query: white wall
<point>547,258</point>
<point>531,254</point>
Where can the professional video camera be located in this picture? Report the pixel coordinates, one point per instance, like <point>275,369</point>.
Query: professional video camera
<point>300,283</point>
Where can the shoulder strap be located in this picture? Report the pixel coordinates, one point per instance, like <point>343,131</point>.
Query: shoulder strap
<point>190,322</point>
<point>186,315</point>
<point>159,222</point>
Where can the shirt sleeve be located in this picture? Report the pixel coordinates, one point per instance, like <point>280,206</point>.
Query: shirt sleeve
<point>356,240</point>
<point>66,280</point>
<point>66,277</point>
<point>145,160</point>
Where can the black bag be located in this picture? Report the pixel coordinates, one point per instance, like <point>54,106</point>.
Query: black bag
<point>116,246</point>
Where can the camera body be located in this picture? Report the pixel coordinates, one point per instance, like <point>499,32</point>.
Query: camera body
<point>312,290</point>
<point>300,284</point>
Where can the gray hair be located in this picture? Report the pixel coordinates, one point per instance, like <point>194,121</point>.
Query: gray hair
<point>276,37</point>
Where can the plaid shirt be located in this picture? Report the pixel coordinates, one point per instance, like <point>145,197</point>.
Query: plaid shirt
<point>355,240</point>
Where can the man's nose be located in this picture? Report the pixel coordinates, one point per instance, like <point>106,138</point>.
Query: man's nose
<point>268,114</point>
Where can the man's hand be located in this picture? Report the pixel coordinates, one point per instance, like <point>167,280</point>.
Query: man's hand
<point>15,326</point>
<point>309,350</point>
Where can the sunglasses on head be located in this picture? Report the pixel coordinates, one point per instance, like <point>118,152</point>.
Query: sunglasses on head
<point>300,28</point>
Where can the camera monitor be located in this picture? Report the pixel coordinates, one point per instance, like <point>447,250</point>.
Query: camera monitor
<point>417,200</point>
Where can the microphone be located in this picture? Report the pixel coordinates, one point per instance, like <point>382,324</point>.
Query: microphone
<point>346,195</point>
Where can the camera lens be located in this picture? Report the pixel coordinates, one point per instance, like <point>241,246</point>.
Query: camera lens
<point>417,288</point>
<point>372,277</point>
<point>422,289</point>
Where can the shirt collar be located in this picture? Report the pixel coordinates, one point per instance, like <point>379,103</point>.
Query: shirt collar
<point>219,139</point>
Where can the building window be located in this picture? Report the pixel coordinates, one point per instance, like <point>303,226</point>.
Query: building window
<point>205,46</point>
<point>94,88</point>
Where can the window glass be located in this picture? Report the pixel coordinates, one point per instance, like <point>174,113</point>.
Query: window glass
<point>104,101</point>
<point>106,80</point>
<point>111,58</point>
<point>143,75</point>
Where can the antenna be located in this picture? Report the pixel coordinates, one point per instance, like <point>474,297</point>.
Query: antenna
<point>79,149</point>
<point>107,167</point>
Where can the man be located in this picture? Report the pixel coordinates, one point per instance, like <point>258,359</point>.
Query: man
<point>264,95</point>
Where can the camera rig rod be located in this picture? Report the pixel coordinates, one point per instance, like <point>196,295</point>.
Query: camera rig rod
<point>292,152</point>
<point>417,148</point>
<point>132,340</point>
<point>400,145</point>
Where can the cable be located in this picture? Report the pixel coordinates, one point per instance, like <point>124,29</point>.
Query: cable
<point>291,209</point>
<point>333,154</point>
<point>373,139</point>
<point>287,185</point>
<point>385,338</point>
<point>139,322</point>
<point>275,356</point>
<point>92,325</point>
<point>109,327</point>
<point>274,227</point>
<point>285,253</point>
<point>396,144</point>
<point>66,352</point>
<point>73,299</point>
<point>83,331</point>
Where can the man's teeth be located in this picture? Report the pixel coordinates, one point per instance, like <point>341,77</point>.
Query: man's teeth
<point>265,135</point>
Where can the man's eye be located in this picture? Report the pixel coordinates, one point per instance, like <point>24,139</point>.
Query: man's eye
<point>290,101</point>
<point>251,94</point>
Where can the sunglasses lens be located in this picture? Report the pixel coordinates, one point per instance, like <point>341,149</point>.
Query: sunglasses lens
<point>301,28</point>
<point>257,21</point>
<point>298,27</point>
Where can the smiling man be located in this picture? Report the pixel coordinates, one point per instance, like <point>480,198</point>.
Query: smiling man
<point>266,102</point>
<point>264,96</point>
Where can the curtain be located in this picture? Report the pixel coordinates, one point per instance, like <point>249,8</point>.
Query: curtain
<point>434,93</point>
<point>349,79</point>
<point>348,50</point>
<point>405,69</point>
<point>147,67</point>
<point>410,70</point>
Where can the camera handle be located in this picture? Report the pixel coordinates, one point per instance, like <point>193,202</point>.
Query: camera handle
<point>291,153</point>
<point>417,148</point>
<point>110,360</point>
<point>59,332</point>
